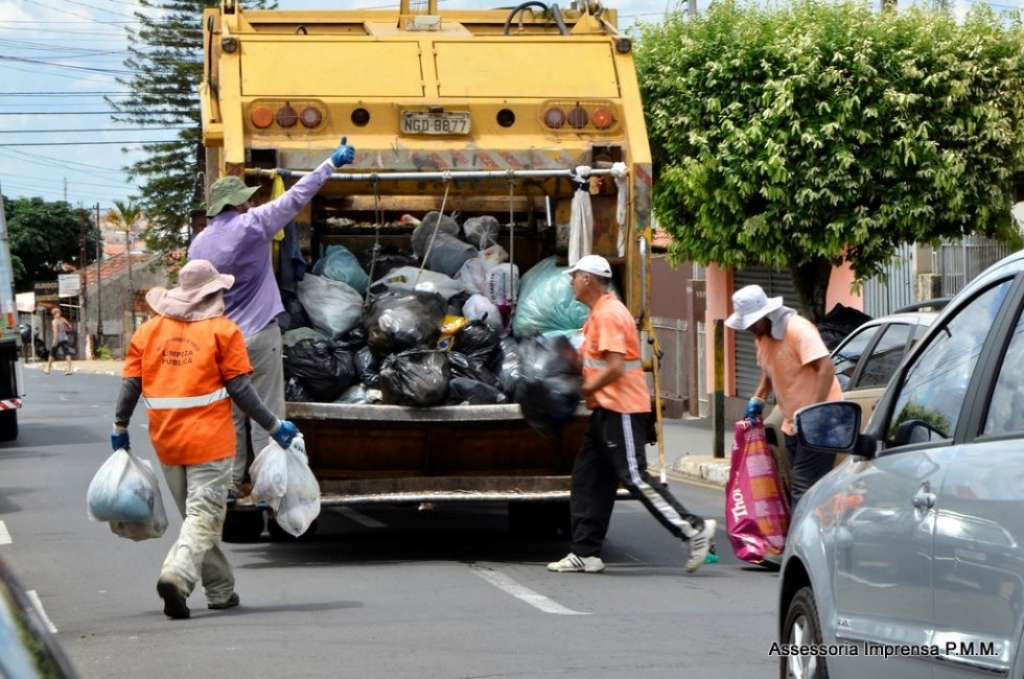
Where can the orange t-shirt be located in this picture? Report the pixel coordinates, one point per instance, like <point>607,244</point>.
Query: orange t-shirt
<point>180,359</point>
<point>610,327</point>
<point>786,362</point>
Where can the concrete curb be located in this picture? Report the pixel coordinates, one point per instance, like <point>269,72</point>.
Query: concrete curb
<point>706,468</point>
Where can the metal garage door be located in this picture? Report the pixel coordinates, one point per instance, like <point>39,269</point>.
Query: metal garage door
<point>774,283</point>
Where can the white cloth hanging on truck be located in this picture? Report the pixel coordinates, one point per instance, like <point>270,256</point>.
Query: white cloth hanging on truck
<point>581,218</point>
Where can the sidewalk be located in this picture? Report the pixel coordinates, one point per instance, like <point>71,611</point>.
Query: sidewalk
<point>689,451</point>
<point>689,443</point>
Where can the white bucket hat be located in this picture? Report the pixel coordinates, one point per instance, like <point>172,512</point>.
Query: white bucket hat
<point>592,264</point>
<point>196,296</point>
<point>750,305</point>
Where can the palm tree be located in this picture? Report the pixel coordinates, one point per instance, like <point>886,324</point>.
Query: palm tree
<point>124,217</point>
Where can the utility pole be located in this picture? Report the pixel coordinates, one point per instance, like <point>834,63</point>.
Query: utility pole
<point>99,256</point>
<point>83,218</point>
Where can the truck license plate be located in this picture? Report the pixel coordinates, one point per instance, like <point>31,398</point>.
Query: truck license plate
<point>424,122</point>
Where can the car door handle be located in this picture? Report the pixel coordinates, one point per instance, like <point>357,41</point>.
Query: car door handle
<point>924,500</point>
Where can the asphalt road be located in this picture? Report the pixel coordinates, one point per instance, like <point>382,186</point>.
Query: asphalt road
<point>382,592</point>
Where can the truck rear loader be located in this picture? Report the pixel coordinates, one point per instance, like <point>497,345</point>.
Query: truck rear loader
<point>490,112</point>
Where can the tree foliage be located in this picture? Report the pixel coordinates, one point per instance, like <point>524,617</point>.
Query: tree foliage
<point>46,239</point>
<point>166,58</point>
<point>801,135</point>
<point>165,55</point>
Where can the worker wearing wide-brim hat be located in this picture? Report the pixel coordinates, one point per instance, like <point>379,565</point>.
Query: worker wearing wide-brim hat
<point>795,366</point>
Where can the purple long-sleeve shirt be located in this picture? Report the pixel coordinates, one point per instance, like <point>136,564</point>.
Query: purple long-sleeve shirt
<point>239,244</point>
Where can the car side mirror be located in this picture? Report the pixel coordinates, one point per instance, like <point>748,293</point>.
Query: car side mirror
<point>833,426</point>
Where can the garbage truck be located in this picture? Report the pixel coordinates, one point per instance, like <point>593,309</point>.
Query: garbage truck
<point>528,115</point>
<point>11,376</point>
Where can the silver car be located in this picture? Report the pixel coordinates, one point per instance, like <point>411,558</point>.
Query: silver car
<point>907,560</point>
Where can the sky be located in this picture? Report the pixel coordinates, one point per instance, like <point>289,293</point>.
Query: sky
<point>58,58</point>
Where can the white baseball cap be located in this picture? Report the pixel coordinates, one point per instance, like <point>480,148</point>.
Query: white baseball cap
<point>592,264</point>
<point>750,305</point>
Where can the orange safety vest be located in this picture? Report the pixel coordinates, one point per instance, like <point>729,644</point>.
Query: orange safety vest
<point>610,327</point>
<point>184,367</point>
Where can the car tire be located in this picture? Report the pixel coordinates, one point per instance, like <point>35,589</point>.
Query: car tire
<point>802,629</point>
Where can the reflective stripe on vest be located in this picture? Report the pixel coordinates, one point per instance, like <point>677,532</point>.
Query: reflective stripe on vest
<point>599,364</point>
<point>185,401</point>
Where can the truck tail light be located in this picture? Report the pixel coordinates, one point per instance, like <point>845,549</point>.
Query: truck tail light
<point>602,118</point>
<point>554,118</point>
<point>578,117</point>
<point>311,117</point>
<point>287,116</point>
<point>262,117</point>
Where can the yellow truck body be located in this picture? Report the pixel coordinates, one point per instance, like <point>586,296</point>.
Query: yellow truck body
<point>487,111</point>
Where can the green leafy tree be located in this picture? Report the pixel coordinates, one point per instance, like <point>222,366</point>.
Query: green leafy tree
<point>801,135</point>
<point>166,59</point>
<point>46,238</point>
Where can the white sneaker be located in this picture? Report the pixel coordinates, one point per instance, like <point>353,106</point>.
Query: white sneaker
<point>699,545</point>
<point>577,564</point>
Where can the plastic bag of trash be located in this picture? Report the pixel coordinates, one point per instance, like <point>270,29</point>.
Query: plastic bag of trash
<point>399,320</point>
<point>324,369</point>
<point>339,264</point>
<point>461,365</point>
<point>410,278</point>
<point>367,368</point>
<point>300,504</point>
<point>546,302</point>
<point>506,364</point>
<point>478,341</point>
<point>124,491</point>
<point>482,232</point>
<point>415,378</point>
<point>479,308</point>
<point>333,307</point>
<point>548,391</point>
<point>269,474</point>
<point>433,222</point>
<point>465,391</point>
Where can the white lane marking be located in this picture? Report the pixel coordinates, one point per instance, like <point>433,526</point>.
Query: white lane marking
<point>521,592</point>
<point>39,607</point>
<point>5,537</point>
<point>360,518</point>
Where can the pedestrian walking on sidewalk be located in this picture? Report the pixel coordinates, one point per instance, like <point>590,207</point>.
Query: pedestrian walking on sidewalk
<point>61,341</point>
<point>238,242</point>
<point>188,365</point>
<point>796,367</point>
<point>613,445</point>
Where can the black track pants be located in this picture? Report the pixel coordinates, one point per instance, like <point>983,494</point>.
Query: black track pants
<point>613,453</point>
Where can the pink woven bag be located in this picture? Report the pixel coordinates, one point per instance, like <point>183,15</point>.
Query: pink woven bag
<point>756,507</point>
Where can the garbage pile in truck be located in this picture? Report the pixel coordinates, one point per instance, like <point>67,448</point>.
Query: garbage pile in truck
<point>448,322</point>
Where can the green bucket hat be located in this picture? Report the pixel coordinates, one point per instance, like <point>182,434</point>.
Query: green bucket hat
<point>228,191</point>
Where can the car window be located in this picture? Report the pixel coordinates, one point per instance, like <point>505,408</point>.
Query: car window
<point>1006,406</point>
<point>846,357</point>
<point>885,357</point>
<point>933,390</point>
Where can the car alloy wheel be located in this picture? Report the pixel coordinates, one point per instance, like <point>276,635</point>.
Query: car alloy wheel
<point>802,629</point>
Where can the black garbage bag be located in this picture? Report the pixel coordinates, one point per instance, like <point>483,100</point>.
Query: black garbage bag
<point>354,339</point>
<point>294,391</point>
<point>415,378</point>
<point>388,259</point>
<point>464,391</point>
<point>467,367</point>
<point>324,369</point>
<point>294,315</point>
<point>367,368</point>
<point>505,363</point>
<point>399,320</point>
<point>477,340</point>
<point>41,351</point>
<point>548,392</point>
<point>839,323</point>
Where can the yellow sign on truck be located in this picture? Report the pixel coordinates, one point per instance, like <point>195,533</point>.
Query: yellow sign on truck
<point>500,113</point>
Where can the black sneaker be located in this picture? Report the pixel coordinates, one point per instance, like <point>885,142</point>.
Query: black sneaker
<point>174,601</point>
<point>232,601</point>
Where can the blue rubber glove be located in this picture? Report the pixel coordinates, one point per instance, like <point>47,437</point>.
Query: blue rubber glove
<point>343,155</point>
<point>119,438</point>
<point>285,432</point>
<point>754,408</point>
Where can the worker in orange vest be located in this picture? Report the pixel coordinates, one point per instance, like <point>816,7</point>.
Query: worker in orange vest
<point>187,365</point>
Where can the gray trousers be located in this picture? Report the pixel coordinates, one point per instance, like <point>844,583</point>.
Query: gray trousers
<point>268,380</point>
<point>200,492</point>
